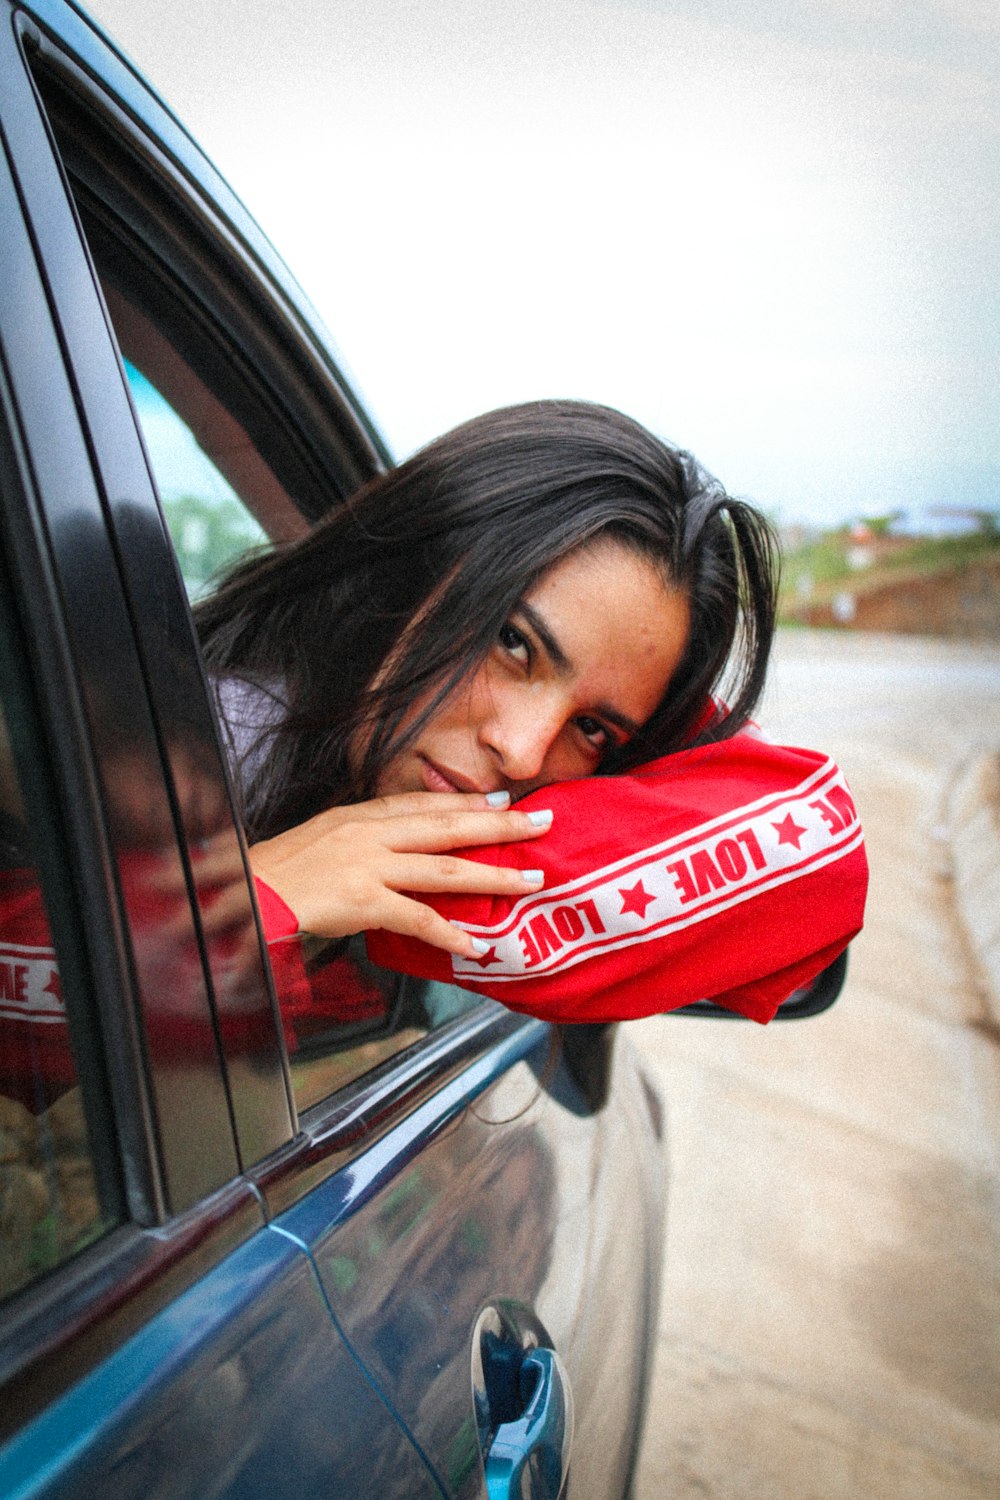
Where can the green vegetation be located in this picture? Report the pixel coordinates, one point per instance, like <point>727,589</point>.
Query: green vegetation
<point>861,557</point>
<point>208,534</point>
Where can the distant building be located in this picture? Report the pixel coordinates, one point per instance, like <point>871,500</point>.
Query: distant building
<point>942,521</point>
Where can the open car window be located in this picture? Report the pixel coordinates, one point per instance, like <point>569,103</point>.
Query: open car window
<point>221,499</point>
<point>242,455</point>
<point>209,524</point>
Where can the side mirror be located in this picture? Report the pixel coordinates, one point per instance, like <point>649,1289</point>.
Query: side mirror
<point>809,1001</point>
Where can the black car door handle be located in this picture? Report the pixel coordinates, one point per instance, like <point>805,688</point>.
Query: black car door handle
<point>529,1453</point>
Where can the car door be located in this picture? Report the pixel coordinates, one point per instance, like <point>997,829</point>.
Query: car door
<point>157,1333</point>
<point>477,1194</point>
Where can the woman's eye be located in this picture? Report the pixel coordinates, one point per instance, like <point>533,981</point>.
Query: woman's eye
<point>515,644</point>
<point>594,731</point>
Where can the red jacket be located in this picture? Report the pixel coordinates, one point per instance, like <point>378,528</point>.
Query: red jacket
<point>733,872</point>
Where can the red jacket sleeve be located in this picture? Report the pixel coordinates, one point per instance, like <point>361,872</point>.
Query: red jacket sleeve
<point>733,872</point>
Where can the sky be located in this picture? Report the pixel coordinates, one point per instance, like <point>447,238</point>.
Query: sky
<point>767,229</point>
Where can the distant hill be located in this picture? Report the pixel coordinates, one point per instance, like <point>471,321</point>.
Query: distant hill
<point>864,579</point>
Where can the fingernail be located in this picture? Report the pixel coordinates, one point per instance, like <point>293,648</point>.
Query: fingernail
<point>540,818</point>
<point>479,946</point>
<point>498,799</point>
<point>533,877</point>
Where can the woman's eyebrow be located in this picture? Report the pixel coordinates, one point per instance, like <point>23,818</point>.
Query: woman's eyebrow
<point>564,666</point>
<point>553,650</point>
<point>621,721</point>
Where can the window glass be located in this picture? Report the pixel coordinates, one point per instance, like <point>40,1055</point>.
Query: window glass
<point>219,495</point>
<point>209,524</point>
<point>343,1014</point>
<point>49,1200</point>
<point>340,1014</point>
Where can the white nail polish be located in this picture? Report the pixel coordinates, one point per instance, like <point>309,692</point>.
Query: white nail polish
<point>541,817</point>
<point>479,946</point>
<point>533,877</point>
<point>498,799</point>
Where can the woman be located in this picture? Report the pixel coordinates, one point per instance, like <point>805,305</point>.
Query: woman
<point>545,594</point>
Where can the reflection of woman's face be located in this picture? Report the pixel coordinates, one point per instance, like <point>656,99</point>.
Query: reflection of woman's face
<point>582,663</point>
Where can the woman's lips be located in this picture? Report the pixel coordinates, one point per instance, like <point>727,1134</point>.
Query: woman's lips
<point>437,779</point>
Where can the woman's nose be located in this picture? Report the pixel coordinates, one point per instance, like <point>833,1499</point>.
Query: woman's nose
<point>521,740</point>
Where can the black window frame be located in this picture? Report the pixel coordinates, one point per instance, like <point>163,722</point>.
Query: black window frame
<point>311,391</point>
<point>59,1325</point>
<point>153,594</point>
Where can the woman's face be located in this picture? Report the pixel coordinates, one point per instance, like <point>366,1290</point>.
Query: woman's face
<point>580,666</point>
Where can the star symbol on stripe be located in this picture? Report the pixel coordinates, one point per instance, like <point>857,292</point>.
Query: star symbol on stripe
<point>635,899</point>
<point>489,957</point>
<point>788,830</point>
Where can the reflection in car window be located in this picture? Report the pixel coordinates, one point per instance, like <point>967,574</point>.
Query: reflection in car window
<point>343,1014</point>
<point>49,1203</point>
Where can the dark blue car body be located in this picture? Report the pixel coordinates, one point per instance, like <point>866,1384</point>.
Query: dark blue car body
<point>435,1267</point>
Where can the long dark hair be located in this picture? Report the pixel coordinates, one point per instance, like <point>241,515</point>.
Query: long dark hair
<point>447,544</point>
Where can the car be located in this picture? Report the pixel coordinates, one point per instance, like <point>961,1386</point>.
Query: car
<point>412,1252</point>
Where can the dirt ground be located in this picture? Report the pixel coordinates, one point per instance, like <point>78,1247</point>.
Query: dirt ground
<point>830,1327</point>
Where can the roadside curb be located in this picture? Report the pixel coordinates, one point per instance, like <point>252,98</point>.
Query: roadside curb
<point>974,819</point>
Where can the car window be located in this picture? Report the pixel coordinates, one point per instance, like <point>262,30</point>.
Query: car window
<point>341,1015</point>
<point>50,1188</point>
<point>209,524</point>
<point>220,497</point>
<point>240,458</point>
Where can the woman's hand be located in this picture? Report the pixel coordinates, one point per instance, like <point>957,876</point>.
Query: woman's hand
<point>347,869</point>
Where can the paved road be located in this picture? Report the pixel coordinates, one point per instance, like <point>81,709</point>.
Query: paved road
<point>831,1323</point>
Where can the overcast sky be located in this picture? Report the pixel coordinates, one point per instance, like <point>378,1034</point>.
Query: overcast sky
<point>766,228</point>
